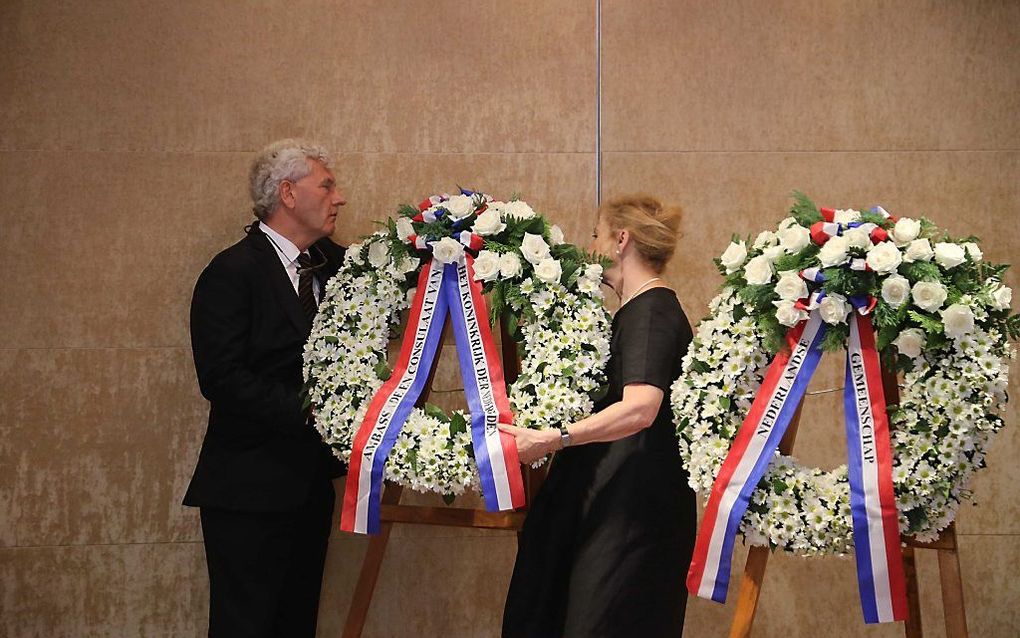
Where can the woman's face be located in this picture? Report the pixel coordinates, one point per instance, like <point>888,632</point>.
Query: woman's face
<point>605,242</point>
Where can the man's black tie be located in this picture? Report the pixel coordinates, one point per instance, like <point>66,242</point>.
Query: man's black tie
<point>304,287</point>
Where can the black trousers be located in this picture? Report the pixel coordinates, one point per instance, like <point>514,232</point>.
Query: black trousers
<point>265,568</point>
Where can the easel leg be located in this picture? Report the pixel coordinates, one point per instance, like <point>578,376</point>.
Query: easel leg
<point>370,565</point>
<point>758,556</point>
<point>952,588</point>
<point>750,589</point>
<point>912,627</point>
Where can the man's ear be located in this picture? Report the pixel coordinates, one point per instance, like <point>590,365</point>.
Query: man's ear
<point>287,193</point>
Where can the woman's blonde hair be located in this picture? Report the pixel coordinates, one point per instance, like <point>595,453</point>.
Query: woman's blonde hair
<point>653,227</point>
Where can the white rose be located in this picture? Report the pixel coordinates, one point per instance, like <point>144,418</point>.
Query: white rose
<point>895,290</point>
<point>448,250</point>
<point>404,228</point>
<point>786,223</point>
<point>1002,297</point>
<point>905,231</point>
<point>734,257</point>
<point>555,235</point>
<point>764,238</point>
<point>378,254</point>
<point>459,206</point>
<point>958,320</point>
<point>884,257</point>
<point>534,248</point>
<point>919,250</point>
<point>949,255</point>
<point>910,342</point>
<point>833,308</point>
<point>411,292</point>
<point>488,223</point>
<point>791,287</point>
<point>548,270</point>
<point>407,264</point>
<point>974,251</point>
<point>510,265</point>
<point>773,253</point>
<point>486,265</point>
<point>758,271</point>
<point>928,295</point>
<point>846,216</point>
<point>858,238</point>
<point>518,209</point>
<point>353,254</point>
<point>787,314</point>
<point>833,252</point>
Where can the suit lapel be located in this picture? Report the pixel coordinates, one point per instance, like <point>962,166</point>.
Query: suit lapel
<point>277,279</point>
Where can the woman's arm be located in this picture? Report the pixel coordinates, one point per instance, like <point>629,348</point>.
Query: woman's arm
<point>635,412</point>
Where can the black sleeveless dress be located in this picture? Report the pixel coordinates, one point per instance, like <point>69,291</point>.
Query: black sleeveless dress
<point>607,543</point>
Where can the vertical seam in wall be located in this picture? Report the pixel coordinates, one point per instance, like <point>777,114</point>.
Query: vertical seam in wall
<point>598,102</point>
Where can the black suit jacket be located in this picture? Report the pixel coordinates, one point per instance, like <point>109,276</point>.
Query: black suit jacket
<point>248,332</point>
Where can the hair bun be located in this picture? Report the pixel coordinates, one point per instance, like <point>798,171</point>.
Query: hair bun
<point>654,228</point>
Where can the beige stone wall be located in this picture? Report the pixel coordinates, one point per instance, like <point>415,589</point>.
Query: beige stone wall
<point>126,132</point>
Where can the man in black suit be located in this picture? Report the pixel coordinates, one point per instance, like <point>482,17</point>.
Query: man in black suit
<point>264,476</point>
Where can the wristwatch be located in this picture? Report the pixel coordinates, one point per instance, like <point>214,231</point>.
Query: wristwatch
<point>564,436</point>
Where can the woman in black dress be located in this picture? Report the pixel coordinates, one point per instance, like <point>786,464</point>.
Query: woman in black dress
<point>607,542</point>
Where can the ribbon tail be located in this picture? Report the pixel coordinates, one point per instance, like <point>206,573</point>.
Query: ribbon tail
<point>481,369</point>
<point>749,457</point>
<point>880,577</point>
<point>392,403</point>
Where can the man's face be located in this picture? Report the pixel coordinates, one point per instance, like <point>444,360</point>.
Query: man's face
<point>317,201</point>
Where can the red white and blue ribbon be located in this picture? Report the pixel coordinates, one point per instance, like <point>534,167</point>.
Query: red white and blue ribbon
<point>392,403</point>
<point>752,450</point>
<point>495,451</point>
<point>442,288</point>
<point>872,499</point>
<point>823,231</point>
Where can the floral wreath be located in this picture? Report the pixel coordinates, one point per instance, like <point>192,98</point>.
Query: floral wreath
<point>942,317</point>
<point>549,290</point>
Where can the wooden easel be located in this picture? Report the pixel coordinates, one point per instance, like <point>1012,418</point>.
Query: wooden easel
<point>393,512</point>
<point>945,545</point>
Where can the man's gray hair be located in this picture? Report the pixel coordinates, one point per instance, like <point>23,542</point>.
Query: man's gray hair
<point>282,160</point>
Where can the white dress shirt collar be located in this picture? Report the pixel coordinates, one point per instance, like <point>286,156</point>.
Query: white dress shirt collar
<point>288,254</point>
<point>287,250</point>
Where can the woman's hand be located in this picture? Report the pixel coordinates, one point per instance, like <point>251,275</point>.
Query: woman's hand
<point>533,444</point>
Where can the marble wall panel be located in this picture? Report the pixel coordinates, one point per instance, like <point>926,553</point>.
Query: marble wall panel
<point>104,590</point>
<point>383,76</point>
<point>990,589</point>
<point>110,257</point>
<point>834,75</point>
<point>98,446</point>
<point>428,586</point>
<point>107,246</point>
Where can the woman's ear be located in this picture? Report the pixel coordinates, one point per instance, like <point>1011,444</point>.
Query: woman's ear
<point>622,241</point>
